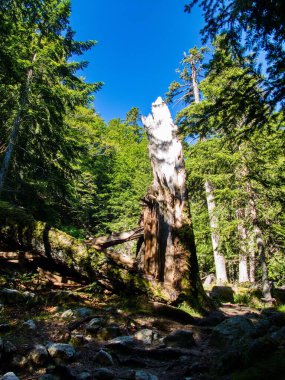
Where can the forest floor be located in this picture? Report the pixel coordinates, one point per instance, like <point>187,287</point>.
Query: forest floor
<point>115,337</point>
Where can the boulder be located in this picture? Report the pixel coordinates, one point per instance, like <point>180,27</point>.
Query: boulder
<point>104,374</point>
<point>143,375</point>
<point>103,358</point>
<point>8,347</point>
<point>83,312</point>
<point>39,355</point>
<point>67,314</point>
<point>222,293</point>
<point>61,351</point>
<point>85,375</point>
<point>29,325</point>
<point>9,376</point>
<point>180,339</point>
<point>124,340</point>
<point>145,335</point>
<point>94,325</point>
<point>232,331</point>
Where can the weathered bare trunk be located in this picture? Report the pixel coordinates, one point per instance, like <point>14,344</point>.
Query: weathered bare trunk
<point>220,261</point>
<point>169,256</point>
<point>15,128</point>
<point>219,258</point>
<point>252,259</point>
<point>261,248</point>
<point>242,233</point>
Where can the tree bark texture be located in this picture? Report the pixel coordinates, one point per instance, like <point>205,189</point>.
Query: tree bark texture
<point>243,255</point>
<point>219,258</point>
<point>15,127</point>
<point>168,255</point>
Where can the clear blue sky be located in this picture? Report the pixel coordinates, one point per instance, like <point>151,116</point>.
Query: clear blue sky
<point>140,45</point>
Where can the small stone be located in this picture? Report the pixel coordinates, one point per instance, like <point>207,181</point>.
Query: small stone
<point>83,312</point>
<point>94,325</point>
<point>48,376</point>
<point>104,374</point>
<point>29,325</point>
<point>67,314</point>
<point>125,340</point>
<point>143,375</point>
<point>180,339</point>
<point>145,336</point>
<point>9,376</point>
<point>279,335</point>
<point>9,347</point>
<point>39,355</point>
<point>103,358</point>
<point>61,351</point>
<point>84,376</point>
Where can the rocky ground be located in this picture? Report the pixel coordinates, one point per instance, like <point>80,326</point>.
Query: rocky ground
<point>49,333</point>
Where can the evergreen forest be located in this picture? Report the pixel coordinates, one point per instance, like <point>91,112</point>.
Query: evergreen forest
<point>143,247</point>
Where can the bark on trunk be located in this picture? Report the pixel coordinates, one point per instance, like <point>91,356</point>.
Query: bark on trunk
<point>261,249</point>
<point>242,232</point>
<point>252,263</point>
<point>15,128</point>
<point>219,258</point>
<point>220,261</point>
<point>169,254</point>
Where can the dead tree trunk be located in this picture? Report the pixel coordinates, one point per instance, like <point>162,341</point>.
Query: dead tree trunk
<point>169,256</point>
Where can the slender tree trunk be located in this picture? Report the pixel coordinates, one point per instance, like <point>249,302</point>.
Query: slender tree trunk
<point>15,128</point>
<point>243,256</point>
<point>252,258</point>
<point>220,262</point>
<point>219,258</point>
<point>169,256</point>
<point>260,247</point>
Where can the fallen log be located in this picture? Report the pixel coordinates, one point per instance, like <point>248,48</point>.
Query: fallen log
<point>115,238</point>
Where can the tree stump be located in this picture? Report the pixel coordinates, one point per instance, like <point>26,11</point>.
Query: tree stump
<point>168,255</point>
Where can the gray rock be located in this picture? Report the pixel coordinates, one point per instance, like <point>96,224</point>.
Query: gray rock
<point>103,358</point>
<point>278,335</point>
<point>39,355</point>
<point>9,347</point>
<point>29,325</point>
<point>67,314</point>
<point>84,376</point>
<point>146,336</point>
<point>83,312</point>
<point>61,351</point>
<point>222,293</point>
<point>104,374</point>
<point>11,296</point>
<point>180,339</point>
<point>94,325</point>
<point>9,376</point>
<point>232,331</point>
<point>125,340</point>
<point>49,376</point>
<point>143,375</point>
